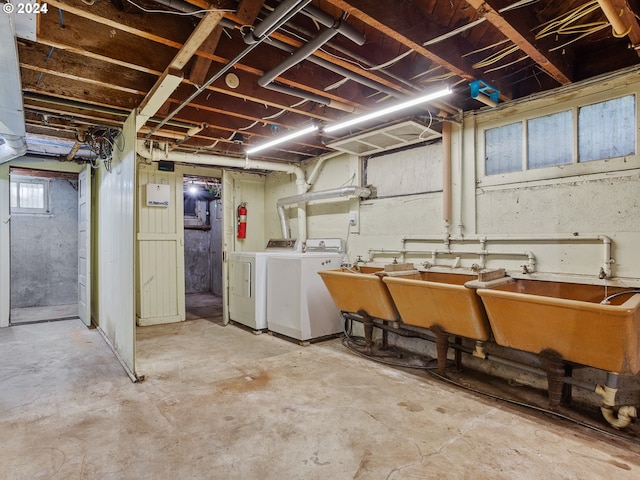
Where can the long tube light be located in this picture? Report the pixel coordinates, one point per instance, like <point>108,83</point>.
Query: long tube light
<point>284,138</point>
<point>385,111</point>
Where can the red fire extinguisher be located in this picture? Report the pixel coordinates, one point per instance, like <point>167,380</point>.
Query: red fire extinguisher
<point>242,220</point>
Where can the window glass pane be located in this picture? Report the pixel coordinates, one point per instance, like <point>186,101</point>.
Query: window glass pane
<point>503,147</point>
<point>31,195</point>
<point>14,195</point>
<point>549,140</point>
<point>607,129</point>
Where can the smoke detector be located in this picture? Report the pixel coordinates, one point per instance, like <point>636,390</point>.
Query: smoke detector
<point>232,80</point>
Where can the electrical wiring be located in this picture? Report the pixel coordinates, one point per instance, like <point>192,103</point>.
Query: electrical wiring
<point>488,47</point>
<point>181,14</point>
<point>497,56</point>
<point>561,25</point>
<point>595,29</point>
<point>349,341</point>
<point>101,142</point>
<point>507,64</point>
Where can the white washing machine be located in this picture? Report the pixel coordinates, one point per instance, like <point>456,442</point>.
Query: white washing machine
<point>248,283</point>
<point>298,303</point>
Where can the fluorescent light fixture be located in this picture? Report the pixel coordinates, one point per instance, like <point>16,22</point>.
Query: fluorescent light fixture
<point>284,138</point>
<point>385,111</point>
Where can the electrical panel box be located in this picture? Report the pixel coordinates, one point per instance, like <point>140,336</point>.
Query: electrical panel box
<point>158,195</point>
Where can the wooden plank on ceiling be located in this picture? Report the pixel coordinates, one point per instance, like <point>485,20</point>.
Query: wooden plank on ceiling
<point>551,64</point>
<point>199,35</point>
<point>201,64</point>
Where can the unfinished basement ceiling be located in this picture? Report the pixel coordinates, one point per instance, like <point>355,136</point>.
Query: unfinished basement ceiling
<point>93,62</point>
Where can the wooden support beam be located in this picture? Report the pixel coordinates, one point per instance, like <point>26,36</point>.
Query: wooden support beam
<point>201,33</point>
<point>551,64</point>
<point>201,64</point>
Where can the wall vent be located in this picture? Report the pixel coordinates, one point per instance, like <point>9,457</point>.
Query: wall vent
<point>386,138</point>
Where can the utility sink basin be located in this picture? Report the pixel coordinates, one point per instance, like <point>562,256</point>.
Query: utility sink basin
<point>440,300</point>
<point>568,319</point>
<point>361,291</point>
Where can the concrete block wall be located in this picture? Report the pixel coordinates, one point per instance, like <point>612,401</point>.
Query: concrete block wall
<point>44,251</point>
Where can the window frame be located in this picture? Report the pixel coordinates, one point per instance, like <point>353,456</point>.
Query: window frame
<point>549,105</point>
<point>20,179</point>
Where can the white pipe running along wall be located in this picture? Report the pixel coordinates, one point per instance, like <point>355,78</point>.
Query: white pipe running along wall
<point>605,270</point>
<point>302,198</point>
<point>218,161</point>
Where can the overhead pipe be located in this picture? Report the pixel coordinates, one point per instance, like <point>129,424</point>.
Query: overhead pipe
<point>340,48</point>
<point>181,6</point>
<point>362,80</point>
<point>328,21</point>
<point>349,191</point>
<point>285,10</point>
<point>157,154</point>
<point>312,97</point>
<point>282,14</point>
<point>618,27</point>
<point>298,56</point>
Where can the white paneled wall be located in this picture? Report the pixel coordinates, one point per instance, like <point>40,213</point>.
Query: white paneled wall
<point>5,252</point>
<point>114,284</point>
<point>160,283</point>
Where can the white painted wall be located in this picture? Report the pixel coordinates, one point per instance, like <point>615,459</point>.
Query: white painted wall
<point>5,252</point>
<point>575,201</point>
<point>115,260</point>
<point>246,188</point>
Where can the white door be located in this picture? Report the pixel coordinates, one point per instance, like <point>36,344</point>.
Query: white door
<point>160,249</point>
<point>84,245</point>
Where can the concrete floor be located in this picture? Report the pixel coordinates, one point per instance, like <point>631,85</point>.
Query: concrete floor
<point>221,403</point>
<point>43,314</point>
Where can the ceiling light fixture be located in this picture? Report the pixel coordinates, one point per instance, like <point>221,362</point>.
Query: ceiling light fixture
<point>284,138</point>
<point>385,111</point>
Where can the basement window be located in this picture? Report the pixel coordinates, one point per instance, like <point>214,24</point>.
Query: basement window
<point>607,129</point>
<point>29,195</point>
<point>503,146</point>
<point>580,134</point>
<point>549,140</point>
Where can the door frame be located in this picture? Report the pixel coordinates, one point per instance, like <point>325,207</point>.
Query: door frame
<point>5,222</point>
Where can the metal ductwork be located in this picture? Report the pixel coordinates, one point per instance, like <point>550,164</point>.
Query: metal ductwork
<point>351,191</point>
<point>12,127</point>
